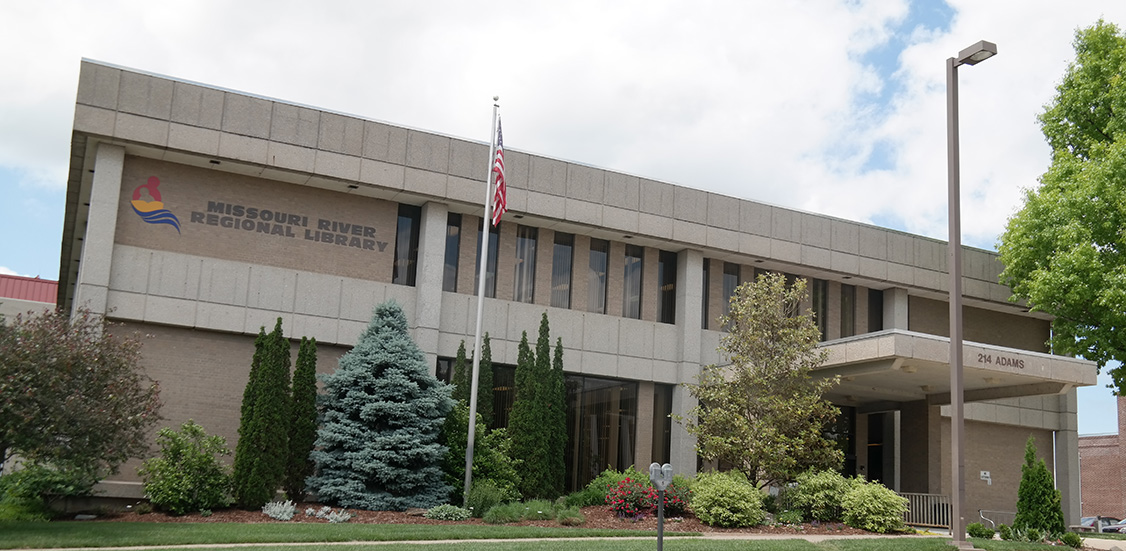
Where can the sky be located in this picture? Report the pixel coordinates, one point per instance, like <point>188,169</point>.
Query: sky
<point>828,106</point>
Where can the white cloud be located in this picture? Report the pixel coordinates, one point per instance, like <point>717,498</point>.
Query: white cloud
<point>8,271</point>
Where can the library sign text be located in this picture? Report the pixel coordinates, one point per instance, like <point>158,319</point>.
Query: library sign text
<point>289,225</point>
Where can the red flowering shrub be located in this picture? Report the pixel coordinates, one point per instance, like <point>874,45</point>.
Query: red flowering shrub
<point>677,498</point>
<point>631,498</point>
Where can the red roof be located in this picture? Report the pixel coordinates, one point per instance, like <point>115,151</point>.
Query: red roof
<point>29,288</point>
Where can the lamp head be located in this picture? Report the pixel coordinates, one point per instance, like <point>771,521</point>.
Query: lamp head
<point>977,53</point>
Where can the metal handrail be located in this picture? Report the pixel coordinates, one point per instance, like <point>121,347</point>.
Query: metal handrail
<point>929,510</point>
<point>981,513</point>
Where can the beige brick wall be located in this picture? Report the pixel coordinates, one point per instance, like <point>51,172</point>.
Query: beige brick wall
<point>186,191</point>
<point>984,326</point>
<point>202,376</point>
<point>998,449</point>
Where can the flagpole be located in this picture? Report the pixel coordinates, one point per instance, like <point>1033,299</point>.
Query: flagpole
<point>481,274</point>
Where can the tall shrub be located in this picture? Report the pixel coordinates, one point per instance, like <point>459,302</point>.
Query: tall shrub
<point>557,421</point>
<point>529,424</point>
<point>187,476</point>
<point>383,410</point>
<point>262,450</point>
<point>463,379</point>
<point>303,421</point>
<point>1038,502</point>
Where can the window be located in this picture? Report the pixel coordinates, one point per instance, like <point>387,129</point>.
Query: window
<point>561,258</point>
<point>631,291</point>
<point>453,247</point>
<point>524,278</point>
<point>491,271</point>
<point>596,279</point>
<point>406,245</point>
<point>601,427</point>
<point>730,283</point>
<point>848,310</point>
<point>875,310</point>
<point>666,287</point>
<point>704,293</point>
<point>820,293</point>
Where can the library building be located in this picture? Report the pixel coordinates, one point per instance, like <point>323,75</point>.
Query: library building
<point>196,215</point>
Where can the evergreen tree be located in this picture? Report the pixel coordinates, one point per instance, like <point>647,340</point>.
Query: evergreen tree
<point>303,421</point>
<point>557,424</point>
<point>530,441</point>
<point>261,453</point>
<point>463,380</point>
<point>383,411</point>
<point>1038,502</point>
<point>485,384</point>
<point>463,371</point>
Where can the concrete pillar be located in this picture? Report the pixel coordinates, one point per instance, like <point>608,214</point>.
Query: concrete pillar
<point>895,308</point>
<point>643,444</point>
<point>101,225</point>
<point>689,294</point>
<point>1067,459</point>
<point>428,279</point>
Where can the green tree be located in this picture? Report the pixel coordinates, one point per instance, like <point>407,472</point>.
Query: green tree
<point>72,394</point>
<point>462,375</point>
<point>557,421</point>
<point>764,413</point>
<point>1065,252</point>
<point>1038,501</point>
<point>485,384</point>
<point>303,421</point>
<point>262,449</point>
<point>525,424</point>
<point>383,411</point>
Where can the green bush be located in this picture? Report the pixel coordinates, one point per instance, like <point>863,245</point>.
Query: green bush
<point>1038,502</point>
<point>27,494</point>
<point>1071,539</point>
<point>978,530</point>
<point>789,517</point>
<point>1005,532</point>
<point>727,499</point>
<point>447,512</point>
<point>484,495</point>
<point>538,509</point>
<point>187,476</point>
<point>1033,535</point>
<point>504,514</point>
<point>570,516</point>
<point>873,507</point>
<point>819,494</point>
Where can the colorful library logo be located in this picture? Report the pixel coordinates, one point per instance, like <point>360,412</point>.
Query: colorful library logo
<point>147,205</point>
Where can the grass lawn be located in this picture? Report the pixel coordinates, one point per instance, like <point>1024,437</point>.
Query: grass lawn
<point>16,535</point>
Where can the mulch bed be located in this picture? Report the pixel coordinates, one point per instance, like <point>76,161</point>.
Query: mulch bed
<point>600,517</point>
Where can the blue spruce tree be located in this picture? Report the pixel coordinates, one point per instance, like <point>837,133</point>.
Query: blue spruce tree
<point>383,411</point>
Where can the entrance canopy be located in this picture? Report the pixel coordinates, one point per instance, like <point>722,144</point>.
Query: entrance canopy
<point>902,366</point>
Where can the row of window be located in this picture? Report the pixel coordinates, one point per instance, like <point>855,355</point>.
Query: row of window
<point>598,267</point>
<point>602,419</point>
<point>563,269</point>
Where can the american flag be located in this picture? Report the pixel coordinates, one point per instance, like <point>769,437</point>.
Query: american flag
<point>500,200</point>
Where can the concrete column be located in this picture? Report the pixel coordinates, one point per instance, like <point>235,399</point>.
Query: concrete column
<point>428,279</point>
<point>689,287</point>
<point>895,308</point>
<point>1067,459</point>
<point>643,443</point>
<point>101,225</point>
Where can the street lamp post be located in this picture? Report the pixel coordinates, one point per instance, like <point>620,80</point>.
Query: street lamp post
<point>970,56</point>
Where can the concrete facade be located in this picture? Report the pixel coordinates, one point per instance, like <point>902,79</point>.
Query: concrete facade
<point>337,188</point>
